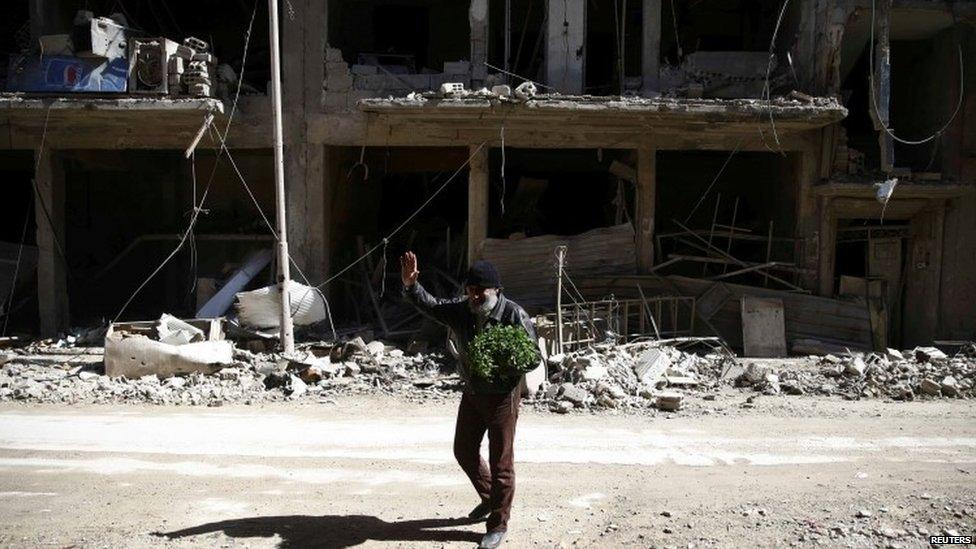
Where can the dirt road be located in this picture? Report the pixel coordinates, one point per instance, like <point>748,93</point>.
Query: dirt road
<point>377,472</point>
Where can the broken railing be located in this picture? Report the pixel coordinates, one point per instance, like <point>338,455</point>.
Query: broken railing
<point>616,320</point>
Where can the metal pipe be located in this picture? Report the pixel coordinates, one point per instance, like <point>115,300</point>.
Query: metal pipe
<point>284,267</point>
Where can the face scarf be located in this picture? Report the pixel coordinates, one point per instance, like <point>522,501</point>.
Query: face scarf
<point>482,311</point>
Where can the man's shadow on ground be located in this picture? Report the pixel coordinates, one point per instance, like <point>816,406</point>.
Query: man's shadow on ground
<point>334,531</point>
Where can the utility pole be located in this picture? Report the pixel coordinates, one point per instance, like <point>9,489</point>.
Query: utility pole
<point>284,267</point>
<point>560,263</point>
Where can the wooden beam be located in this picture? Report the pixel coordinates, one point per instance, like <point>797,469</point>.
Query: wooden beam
<point>646,203</point>
<point>52,287</point>
<point>477,201</point>
<point>651,48</point>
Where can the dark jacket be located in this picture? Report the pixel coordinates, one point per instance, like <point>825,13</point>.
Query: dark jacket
<point>456,315</point>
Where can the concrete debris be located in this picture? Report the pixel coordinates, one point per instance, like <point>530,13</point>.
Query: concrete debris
<point>176,347</point>
<point>669,402</point>
<point>646,377</point>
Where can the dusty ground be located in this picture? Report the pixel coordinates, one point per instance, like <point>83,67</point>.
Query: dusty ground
<point>378,472</point>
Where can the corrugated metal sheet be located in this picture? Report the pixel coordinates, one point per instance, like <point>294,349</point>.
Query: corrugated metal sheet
<point>528,266</point>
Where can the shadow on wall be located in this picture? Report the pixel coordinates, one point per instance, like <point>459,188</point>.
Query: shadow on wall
<point>334,531</point>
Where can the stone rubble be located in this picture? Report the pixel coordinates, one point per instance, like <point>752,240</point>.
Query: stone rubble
<point>641,377</point>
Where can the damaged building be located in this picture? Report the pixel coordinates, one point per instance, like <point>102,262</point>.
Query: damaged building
<point>793,177</point>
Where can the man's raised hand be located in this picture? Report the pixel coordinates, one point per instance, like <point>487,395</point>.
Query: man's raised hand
<point>408,269</point>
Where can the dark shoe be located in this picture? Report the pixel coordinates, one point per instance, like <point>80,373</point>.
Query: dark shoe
<point>492,540</point>
<point>481,511</point>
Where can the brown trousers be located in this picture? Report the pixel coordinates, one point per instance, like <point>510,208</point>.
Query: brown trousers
<point>494,481</point>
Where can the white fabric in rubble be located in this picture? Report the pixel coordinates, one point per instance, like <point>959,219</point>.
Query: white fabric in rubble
<point>261,308</point>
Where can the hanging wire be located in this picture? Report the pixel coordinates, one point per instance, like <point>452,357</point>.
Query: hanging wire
<point>13,282</point>
<point>502,200</point>
<point>874,101</point>
<point>767,92</point>
<point>408,219</point>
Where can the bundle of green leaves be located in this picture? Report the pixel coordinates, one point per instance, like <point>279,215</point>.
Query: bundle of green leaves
<point>502,351</point>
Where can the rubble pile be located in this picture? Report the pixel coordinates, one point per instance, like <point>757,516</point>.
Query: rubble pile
<point>629,376</point>
<point>901,375</point>
<point>638,376</point>
<point>358,368</point>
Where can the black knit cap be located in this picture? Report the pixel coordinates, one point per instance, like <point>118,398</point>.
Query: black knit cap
<point>482,273</point>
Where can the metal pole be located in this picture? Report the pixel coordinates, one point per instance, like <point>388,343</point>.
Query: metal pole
<point>284,268</point>
<point>561,258</point>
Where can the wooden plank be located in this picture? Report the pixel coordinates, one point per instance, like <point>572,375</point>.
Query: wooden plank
<point>763,327</point>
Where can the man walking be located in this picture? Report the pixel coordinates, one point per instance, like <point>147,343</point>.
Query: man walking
<point>490,406</point>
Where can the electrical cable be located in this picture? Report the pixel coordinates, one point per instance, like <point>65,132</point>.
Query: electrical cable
<point>13,282</point>
<point>40,199</point>
<point>408,219</point>
<point>767,92</point>
<point>502,199</point>
<point>510,73</point>
<point>874,103</point>
<point>714,180</point>
<point>199,208</point>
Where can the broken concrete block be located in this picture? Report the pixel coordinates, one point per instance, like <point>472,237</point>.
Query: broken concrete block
<point>561,407</point>
<point>681,381</point>
<point>894,355</point>
<point>755,373</point>
<point>174,331</point>
<point>176,382</point>
<point>928,354</point>
<point>930,387</point>
<point>502,91</point>
<point>451,88</point>
<point>949,385</point>
<point>651,366</point>
<point>376,348</point>
<point>732,372</point>
<point>574,394</point>
<point>296,387</point>
<point>230,374</point>
<point>855,367</point>
<point>352,369</point>
<point>88,376</point>
<point>135,355</point>
<point>669,402</point>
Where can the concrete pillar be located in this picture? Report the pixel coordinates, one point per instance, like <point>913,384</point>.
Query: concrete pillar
<point>565,51</point>
<point>807,172</point>
<point>646,203</point>
<point>478,20</point>
<point>477,201</point>
<point>882,85</point>
<point>52,286</point>
<point>651,48</point>
<point>303,50</point>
